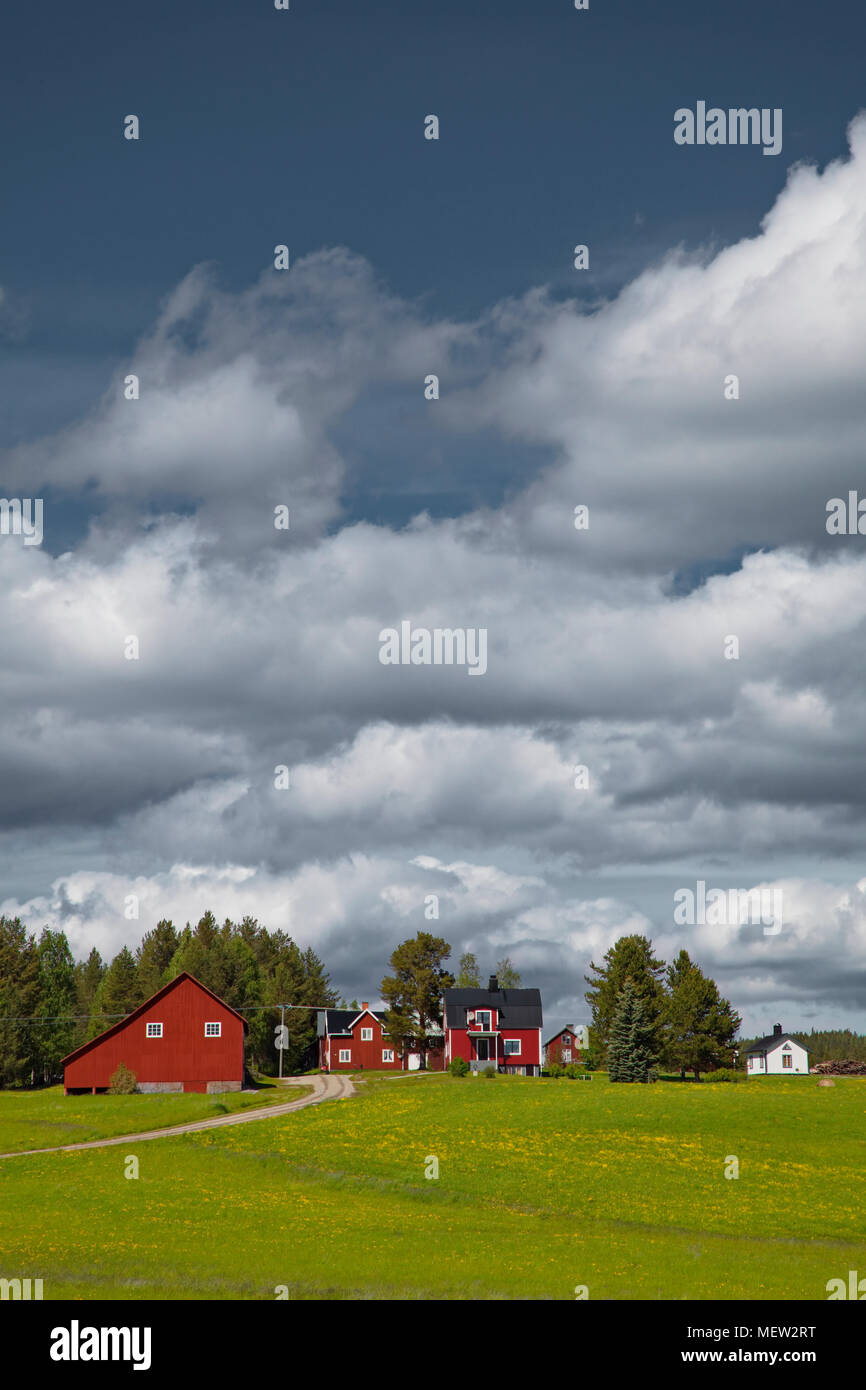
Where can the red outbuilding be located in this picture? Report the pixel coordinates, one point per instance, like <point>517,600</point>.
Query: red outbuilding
<point>184,1038</point>
<point>565,1046</point>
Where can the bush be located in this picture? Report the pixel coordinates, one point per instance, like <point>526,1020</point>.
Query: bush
<point>123,1082</point>
<point>724,1074</point>
<point>555,1070</point>
<point>458,1066</point>
<point>489,1071</point>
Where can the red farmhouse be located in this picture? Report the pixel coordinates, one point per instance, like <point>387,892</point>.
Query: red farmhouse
<point>184,1038</point>
<point>564,1046</point>
<point>494,1027</point>
<point>353,1039</point>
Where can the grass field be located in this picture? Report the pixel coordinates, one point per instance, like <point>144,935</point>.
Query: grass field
<point>43,1119</point>
<point>543,1186</point>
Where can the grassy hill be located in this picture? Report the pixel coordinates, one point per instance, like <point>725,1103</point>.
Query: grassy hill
<point>543,1186</point>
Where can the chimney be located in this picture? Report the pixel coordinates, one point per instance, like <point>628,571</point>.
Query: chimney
<point>365,1003</point>
<point>777,1030</point>
<point>493,984</point>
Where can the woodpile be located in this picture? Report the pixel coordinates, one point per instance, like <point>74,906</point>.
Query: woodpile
<point>848,1068</point>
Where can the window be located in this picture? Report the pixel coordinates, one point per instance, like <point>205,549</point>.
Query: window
<point>345,1054</point>
<point>366,1035</point>
<point>566,1040</point>
<point>566,1054</point>
<point>787,1061</point>
<point>512,1045</point>
<point>482,1018</point>
<point>213,1030</point>
<point>387,1054</point>
<point>154,1030</point>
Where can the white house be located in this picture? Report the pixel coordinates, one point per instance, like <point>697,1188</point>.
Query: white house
<point>777,1055</point>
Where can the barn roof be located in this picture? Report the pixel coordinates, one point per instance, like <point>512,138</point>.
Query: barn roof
<point>772,1040</point>
<point>518,1008</point>
<point>166,989</point>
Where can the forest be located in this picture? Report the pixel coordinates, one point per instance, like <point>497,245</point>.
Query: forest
<point>50,1004</point>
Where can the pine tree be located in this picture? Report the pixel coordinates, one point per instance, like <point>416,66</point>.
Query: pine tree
<point>19,1001</point>
<point>57,1001</point>
<point>118,993</point>
<point>413,993</point>
<point>700,1026</point>
<point>630,956</point>
<point>153,958</point>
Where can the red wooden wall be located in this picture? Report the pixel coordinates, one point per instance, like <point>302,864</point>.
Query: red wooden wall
<point>183,1053</point>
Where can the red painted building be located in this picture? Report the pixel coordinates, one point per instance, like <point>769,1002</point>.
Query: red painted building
<point>564,1047</point>
<point>184,1038</point>
<point>355,1040</point>
<point>494,1027</point>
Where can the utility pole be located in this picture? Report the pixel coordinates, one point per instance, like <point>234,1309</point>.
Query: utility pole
<point>282,1036</point>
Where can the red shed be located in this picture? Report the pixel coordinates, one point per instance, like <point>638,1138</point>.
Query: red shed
<point>565,1046</point>
<point>184,1038</point>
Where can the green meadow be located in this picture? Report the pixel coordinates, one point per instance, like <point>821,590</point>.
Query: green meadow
<point>543,1186</point>
<point>44,1119</point>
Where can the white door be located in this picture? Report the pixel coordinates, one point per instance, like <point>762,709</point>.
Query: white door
<point>414,1061</point>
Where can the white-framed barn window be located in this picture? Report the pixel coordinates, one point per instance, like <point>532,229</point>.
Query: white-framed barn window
<point>787,1061</point>
<point>566,1039</point>
<point>154,1030</point>
<point>213,1030</point>
<point>366,1035</point>
<point>345,1054</point>
<point>512,1045</point>
<point>566,1054</point>
<point>387,1054</point>
<point>482,1018</point>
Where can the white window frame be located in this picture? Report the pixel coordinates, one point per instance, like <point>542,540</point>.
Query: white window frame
<point>209,1026</point>
<point>566,1054</point>
<point>345,1054</point>
<point>481,1014</point>
<point>566,1040</point>
<point>787,1061</point>
<point>512,1047</point>
<point>366,1035</point>
<point>154,1030</point>
<point>387,1054</point>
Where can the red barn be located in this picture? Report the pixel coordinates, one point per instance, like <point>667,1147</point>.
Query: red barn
<point>355,1040</point>
<point>494,1027</point>
<point>184,1038</point>
<point>565,1046</point>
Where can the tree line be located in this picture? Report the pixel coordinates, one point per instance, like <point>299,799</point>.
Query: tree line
<point>49,1004</point>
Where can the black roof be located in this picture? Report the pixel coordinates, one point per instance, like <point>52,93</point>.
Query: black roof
<point>339,1020</point>
<point>518,1008</point>
<point>761,1044</point>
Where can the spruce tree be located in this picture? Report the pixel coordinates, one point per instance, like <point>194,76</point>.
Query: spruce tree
<point>631,1053</point>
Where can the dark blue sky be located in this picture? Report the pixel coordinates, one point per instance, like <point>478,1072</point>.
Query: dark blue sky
<point>261,126</point>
